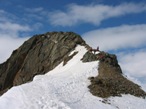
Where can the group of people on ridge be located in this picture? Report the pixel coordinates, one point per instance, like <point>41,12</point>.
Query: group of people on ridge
<point>94,50</point>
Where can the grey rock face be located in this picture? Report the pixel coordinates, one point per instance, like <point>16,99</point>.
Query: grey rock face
<point>38,55</point>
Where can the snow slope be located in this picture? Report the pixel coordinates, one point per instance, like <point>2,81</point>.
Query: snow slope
<point>65,87</point>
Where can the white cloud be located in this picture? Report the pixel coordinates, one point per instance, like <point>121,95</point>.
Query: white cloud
<point>10,40</point>
<point>93,14</point>
<point>12,27</point>
<point>7,45</point>
<point>10,35</point>
<point>34,10</point>
<point>133,65</point>
<point>38,14</point>
<point>125,36</point>
<point>5,16</point>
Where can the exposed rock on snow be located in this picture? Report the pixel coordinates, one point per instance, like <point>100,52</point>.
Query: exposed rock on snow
<point>110,81</point>
<point>89,57</point>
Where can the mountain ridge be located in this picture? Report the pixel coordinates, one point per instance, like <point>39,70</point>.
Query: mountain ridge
<point>38,55</point>
<point>66,87</point>
<point>58,70</point>
<point>44,52</point>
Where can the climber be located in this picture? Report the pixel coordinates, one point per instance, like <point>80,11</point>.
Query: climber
<point>94,50</point>
<point>97,48</point>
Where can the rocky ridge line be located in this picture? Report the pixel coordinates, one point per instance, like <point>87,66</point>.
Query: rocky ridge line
<point>38,55</point>
<point>110,80</point>
<point>44,52</point>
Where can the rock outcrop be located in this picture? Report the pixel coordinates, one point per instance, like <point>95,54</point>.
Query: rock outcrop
<point>38,55</point>
<point>89,57</point>
<point>110,80</point>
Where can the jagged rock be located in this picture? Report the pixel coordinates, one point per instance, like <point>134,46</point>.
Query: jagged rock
<point>38,55</point>
<point>110,81</point>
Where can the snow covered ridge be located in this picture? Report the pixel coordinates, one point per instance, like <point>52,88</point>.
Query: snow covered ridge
<point>37,55</point>
<point>66,87</point>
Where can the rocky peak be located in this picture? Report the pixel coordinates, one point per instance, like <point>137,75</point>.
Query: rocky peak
<point>38,55</point>
<point>110,80</point>
<point>42,53</point>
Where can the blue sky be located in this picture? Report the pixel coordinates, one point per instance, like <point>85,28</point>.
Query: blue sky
<point>116,26</point>
<point>38,12</point>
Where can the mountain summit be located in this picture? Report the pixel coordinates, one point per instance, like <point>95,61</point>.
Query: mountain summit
<point>61,71</point>
<point>38,55</point>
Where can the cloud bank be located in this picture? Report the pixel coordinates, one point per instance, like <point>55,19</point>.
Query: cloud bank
<point>115,38</point>
<point>94,14</point>
<point>7,45</point>
<point>134,63</point>
<point>10,35</point>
